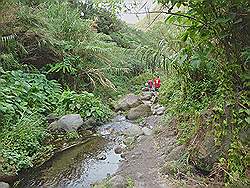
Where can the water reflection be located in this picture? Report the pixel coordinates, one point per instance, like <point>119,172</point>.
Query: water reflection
<point>77,167</point>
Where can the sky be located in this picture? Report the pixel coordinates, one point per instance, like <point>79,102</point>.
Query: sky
<point>136,6</point>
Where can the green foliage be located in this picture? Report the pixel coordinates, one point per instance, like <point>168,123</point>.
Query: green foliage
<point>85,104</point>
<point>208,71</point>
<point>72,135</point>
<point>23,93</point>
<point>25,100</point>
<point>21,143</point>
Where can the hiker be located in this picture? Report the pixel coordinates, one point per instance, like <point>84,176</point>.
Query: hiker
<point>157,83</point>
<point>146,87</point>
<point>150,85</point>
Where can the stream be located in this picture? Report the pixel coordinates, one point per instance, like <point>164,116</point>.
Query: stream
<point>81,165</point>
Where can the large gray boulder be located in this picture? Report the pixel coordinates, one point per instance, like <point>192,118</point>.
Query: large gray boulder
<point>68,123</point>
<point>142,110</point>
<point>127,102</point>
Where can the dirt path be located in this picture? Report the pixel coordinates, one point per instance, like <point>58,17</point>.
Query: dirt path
<point>144,162</point>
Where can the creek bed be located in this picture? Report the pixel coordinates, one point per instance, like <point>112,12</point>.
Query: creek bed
<point>79,166</point>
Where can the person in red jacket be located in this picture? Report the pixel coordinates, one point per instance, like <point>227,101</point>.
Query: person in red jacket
<point>157,83</point>
<point>150,85</point>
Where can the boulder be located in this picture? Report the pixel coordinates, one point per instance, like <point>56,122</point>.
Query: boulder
<point>119,118</point>
<point>4,185</point>
<point>127,102</point>
<point>68,123</point>
<point>149,103</point>
<point>139,111</point>
<point>133,131</point>
<point>207,151</point>
<point>51,118</point>
<point>147,131</point>
<point>146,96</point>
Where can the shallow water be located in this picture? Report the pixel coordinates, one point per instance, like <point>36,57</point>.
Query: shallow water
<point>81,166</point>
<point>77,167</point>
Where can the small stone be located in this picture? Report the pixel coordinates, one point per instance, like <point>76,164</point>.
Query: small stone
<point>147,131</point>
<point>123,155</point>
<point>118,150</point>
<point>102,157</point>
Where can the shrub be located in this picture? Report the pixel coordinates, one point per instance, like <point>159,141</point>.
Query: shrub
<point>86,104</point>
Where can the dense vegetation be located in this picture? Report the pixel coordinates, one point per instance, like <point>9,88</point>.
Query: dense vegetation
<point>60,57</point>
<point>206,89</point>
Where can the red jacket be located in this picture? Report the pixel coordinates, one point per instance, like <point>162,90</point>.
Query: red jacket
<point>157,83</point>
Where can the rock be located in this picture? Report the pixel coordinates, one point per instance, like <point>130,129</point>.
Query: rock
<point>89,123</point>
<point>147,131</point>
<point>159,111</point>
<point>208,152</point>
<point>123,155</point>
<point>149,103</point>
<point>118,181</point>
<point>155,106</point>
<point>176,153</point>
<point>139,175</point>
<point>127,102</point>
<point>146,96</point>
<point>118,150</point>
<point>133,131</point>
<point>51,118</point>
<point>139,111</point>
<point>119,118</point>
<point>129,141</point>
<point>101,157</point>
<point>68,123</point>
<point>152,121</point>
<point>4,185</point>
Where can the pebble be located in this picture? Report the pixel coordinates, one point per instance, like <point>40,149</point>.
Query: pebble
<point>118,150</point>
<point>102,157</point>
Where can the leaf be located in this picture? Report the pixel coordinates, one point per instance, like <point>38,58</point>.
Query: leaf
<point>248,120</point>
